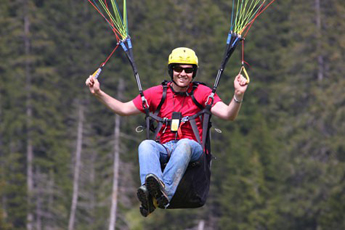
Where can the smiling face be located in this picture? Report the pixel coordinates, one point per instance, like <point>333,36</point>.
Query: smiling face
<point>182,76</point>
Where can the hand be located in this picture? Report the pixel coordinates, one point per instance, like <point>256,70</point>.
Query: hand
<point>240,84</point>
<point>93,84</point>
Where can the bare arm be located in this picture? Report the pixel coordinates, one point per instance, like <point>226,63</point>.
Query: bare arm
<point>118,107</point>
<point>230,112</point>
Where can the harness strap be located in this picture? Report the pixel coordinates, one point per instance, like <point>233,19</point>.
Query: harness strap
<point>195,85</point>
<point>205,124</point>
<point>164,95</point>
<point>195,130</point>
<point>148,124</point>
<point>150,115</point>
<point>196,102</point>
<point>158,129</point>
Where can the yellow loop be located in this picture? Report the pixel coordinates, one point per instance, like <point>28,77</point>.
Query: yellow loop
<point>243,69</point>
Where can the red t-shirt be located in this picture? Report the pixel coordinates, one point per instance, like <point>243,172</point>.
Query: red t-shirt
<point>176,103</point>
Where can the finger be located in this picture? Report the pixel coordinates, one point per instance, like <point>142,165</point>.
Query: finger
<point>88,80</point>
<point>244,81</point>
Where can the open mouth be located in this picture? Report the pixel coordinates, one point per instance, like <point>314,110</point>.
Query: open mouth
<point>182,79</point>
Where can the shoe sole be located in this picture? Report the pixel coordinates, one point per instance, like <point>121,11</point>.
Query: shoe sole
<point>154,189</point>
<point>145,210</point>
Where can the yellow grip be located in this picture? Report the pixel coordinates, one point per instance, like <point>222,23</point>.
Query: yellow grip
<point>97,73</point>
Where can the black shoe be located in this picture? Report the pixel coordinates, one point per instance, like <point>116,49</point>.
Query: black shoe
<point>156,190</point>
<point>145,198</point>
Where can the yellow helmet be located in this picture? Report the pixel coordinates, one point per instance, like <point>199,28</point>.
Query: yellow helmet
<point>183,55</point>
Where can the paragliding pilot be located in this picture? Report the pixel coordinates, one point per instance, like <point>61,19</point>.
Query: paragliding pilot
<point>178,141</point>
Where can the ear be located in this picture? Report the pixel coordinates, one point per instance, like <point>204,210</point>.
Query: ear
<point>170,70</point>
<point>195,71</point>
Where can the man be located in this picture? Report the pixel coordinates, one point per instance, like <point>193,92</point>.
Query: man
<point>177,146</point>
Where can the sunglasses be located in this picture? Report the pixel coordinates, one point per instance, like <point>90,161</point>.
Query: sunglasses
<point>179,69</point>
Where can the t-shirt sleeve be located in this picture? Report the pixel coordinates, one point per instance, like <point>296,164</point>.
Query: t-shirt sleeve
<point>138,103</point>
<point>203,93</point>
<point>152,95</point>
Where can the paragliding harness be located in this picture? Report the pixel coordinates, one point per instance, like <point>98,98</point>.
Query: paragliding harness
<point>193,188</point>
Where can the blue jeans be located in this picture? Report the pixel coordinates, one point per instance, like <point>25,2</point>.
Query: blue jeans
<point>153,154</point>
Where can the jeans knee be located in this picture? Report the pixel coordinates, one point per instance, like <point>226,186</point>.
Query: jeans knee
<point>146,146</point>
<point>184,147</point>
<point>184,141</point>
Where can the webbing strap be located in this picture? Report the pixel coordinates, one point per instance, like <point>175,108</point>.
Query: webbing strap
<point>164,95</point>
<point>149,121</point>
<point>195,130</point>
<point>148,124</point>
<point>196,102</point>
<point>158,129</point>
<point>205,124</point>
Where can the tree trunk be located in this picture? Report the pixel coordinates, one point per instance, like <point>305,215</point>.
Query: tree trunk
<point>50,203</point>
<point>114,200</point>
<point>29,147</point>
<point>2,168</point>
<point>201,225</point>
<point>39,194</point>
<point>319,41</point>
<point>77,167</point>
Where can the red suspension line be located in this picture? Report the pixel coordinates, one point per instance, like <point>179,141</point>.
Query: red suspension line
<point>243,61</point>
<point>106,60</point>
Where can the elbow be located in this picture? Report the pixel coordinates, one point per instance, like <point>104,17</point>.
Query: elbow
<point>127,110</point>
<point>227,117</point>
<point>231,116</point>
<point>123,113</point>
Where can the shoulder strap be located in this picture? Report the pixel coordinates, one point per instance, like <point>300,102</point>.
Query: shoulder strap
<point>151,117</point>
<point>206,123</point>
<point>164,95</point>
<point>195,85</point>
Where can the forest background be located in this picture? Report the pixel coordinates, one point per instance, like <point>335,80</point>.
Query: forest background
<point>67,162</point>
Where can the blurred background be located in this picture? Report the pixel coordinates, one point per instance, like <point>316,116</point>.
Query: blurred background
<point>67,162</point>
